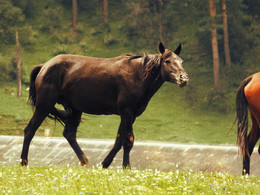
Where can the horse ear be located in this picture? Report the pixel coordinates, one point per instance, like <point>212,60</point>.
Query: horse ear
<point>161,48</point>
<point>178,50</point>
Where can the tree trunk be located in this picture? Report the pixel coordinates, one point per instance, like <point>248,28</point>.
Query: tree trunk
<point>18,70</point>
<point>106,13</point>
<point>225,33</point>
<point>74,14</point>
<point>214,43</point>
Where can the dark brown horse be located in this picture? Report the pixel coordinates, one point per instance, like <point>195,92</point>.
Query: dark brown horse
<point>122,85</point>
<point>248,96</point>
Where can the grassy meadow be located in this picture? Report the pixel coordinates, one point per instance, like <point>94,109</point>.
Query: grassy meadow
<point>65,180</point>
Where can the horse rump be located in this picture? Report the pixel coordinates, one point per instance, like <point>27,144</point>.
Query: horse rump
<point>55,113</point>
<point>242,116</point>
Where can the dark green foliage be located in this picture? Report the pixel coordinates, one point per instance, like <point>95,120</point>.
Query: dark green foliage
<point>8,69</point>
<point>51,19</point>
<point>11,17</point>
<point>5,69</point>
<point>253,7</point>
<point>28,7</point>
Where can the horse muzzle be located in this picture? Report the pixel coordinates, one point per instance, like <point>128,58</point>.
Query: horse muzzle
<point>183,80</point>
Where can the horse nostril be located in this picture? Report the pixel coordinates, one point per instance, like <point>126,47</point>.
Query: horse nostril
<point>184,77</point>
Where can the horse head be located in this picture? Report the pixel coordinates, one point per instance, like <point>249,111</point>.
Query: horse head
<point>171,66</point>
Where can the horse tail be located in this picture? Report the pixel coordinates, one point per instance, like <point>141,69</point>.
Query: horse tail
<point>242,116</point>
<point>59,115</point>
<point>55,113</point>
<point>32,91</point>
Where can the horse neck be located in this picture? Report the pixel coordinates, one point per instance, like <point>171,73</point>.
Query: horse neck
<point>152,76</point>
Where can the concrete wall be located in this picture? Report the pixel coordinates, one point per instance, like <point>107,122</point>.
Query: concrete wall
<point>144,155</point>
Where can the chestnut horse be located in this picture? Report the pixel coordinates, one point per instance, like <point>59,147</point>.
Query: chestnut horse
<point>122,85</point>
<point>248,96</point>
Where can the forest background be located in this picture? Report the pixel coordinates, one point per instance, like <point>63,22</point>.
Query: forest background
<point>109,28</point>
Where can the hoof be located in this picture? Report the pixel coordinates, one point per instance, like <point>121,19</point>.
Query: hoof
<point>127,166</point>
<point>23,162</point>
<point>85,165</point>
<point>105,165</point>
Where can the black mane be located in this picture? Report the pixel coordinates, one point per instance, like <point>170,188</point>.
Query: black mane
<point>132,57</point>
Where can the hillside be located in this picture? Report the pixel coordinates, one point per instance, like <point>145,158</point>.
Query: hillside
<point>196,113</point>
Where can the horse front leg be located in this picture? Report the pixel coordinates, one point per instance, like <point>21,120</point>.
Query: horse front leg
<point>124,138</point>
<point>127,145</point>
<point>127,137</point>
<point>117,146</point>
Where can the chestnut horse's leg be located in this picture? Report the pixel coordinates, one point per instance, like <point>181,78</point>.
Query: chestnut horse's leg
<point>125,138</point>
<point>38,117</point>
<point>251,141</point>
<point>69,133</point>
<point>259,149</point>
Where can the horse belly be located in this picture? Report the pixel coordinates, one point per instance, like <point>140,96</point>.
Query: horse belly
<point>252,94</point>
<point>93,99</point>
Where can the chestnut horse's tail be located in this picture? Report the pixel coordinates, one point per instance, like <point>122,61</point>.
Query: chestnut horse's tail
<point>55,113</point>
<point>242,116</point>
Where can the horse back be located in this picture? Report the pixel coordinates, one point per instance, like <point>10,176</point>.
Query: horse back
<point>64,68</point>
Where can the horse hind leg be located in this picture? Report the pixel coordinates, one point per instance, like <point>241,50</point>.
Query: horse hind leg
<point>29,132</point>
<point>69,133</point>
<point>252,139</point>
<point>46,99</point>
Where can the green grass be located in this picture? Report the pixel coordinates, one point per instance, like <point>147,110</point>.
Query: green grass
<point>66,180</point>
<point>167,118</point>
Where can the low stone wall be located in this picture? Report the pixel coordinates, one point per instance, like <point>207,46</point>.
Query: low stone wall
<point>144,155</point>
